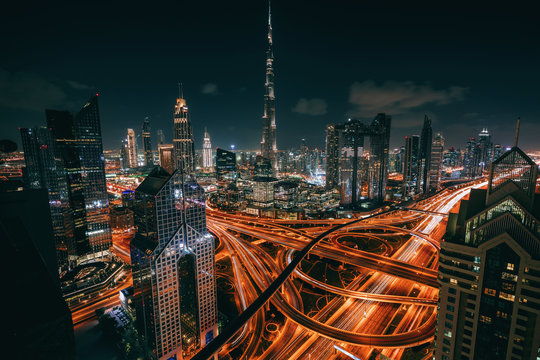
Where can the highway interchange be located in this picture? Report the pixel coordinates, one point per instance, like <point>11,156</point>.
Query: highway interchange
<point>389,306</point>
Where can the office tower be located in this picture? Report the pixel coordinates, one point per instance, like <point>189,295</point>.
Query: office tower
<point>225,164</point>
<point>489,268</point>
<point>147,144</point>
<point>452,157</point>
<point>332,157</point>
<point>436,162</point>
<point>39,323</point>
<point>485,151</point>
<point>263,191</point>
<point>96,198</point>
<point>268,142</point>
<point>207,152</point>
<point>166,157</point>
<point>132,149</point>
<point>172,256</point>
<point>77,142</point>
<point>410,166</point>
<point>160,137</point>
<point>424,161</point>
<point>470,159</point>
<point>356,171</point>
<point>124,157</point>
<point>184,145</point>
<point>45,170</point>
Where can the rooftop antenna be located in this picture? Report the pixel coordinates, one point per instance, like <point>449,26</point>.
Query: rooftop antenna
<point>517,132</point>
<point>180,90</point>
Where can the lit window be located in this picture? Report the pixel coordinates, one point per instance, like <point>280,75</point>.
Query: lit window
<point>491,292</point>
<point>510,266</point>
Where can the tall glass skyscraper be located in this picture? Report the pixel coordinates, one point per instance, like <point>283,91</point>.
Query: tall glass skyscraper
<point>356,169</point>
<point>67,159</point>
<point>173,263</point>
<point>147,144</point>
<point>207,152</point>
<point>268,142</point>
<point>184,145</point>
<point>90,146</point>
<point>45,170</point>
<point>132,148</point>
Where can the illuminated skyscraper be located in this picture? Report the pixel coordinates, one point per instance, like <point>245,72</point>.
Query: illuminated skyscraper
<point>410,166</point>
<point>173,266</point>
<point>424,156</point>
<point>489,268</point>
<point>78,155</point>
<point>184,145</point>
<point>225,164</point>
<point>45,170</point>
<point>436,162</point>
<point>147,144</point>
<point>132,149</point>
<point>355,170</point>
<point>207,152</point>
<point>166,157</point>
<point>268,142</point>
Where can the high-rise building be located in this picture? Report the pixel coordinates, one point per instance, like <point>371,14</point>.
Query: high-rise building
<point>166,157</point>
<point>78,155</point>
<point>485,151</point>
<point>45,170</point>
<point>124,157</point>
<point>489,268</point>
<point>160,137</point>
<point>436,162</point>
<point>173,266</point>
<point>410,166</point>
<point>132,149</point>
<point>207,152</point>
<point>96,198</point>
<point>147,144</point>
<point>332,156</point>
<point>268,142</point>
<point>184,145</point>
<point>470,159</point>
<point>358,172</point>
<point>225,164</point>
<point>424,161</point>
<point>497,151</point>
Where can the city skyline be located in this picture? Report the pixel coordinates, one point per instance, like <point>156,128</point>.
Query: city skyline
<point>321,68</point>
<point>383,204</point>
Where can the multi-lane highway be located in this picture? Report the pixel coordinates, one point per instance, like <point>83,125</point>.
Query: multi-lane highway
<point>390,306</point>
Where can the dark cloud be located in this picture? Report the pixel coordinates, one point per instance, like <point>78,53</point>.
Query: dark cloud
<point>27,91</point>
<point>396,98</point>
<point>209,89</point>
<point>313,107</point>
<point>79,86</point>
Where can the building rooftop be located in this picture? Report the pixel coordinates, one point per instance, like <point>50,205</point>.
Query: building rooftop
<point>154,181</point>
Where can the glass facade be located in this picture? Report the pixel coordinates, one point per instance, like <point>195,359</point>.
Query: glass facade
<point>184,145</point>
<point>170,213</point>
<point>496,303</point>
<point>358,170</point>
<point>516,167</point>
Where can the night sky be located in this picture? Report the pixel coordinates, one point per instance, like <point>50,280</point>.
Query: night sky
<point>467,67</point>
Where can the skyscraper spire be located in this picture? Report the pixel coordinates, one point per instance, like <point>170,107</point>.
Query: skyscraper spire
<point>268,142</point>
